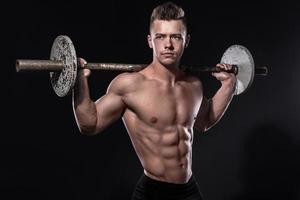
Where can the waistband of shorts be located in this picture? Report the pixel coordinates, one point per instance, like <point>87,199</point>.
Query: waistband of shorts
<point>160,184</point>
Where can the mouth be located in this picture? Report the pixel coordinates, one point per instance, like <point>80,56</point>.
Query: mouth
<point>168,54</point>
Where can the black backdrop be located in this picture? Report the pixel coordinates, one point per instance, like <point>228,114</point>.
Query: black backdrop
<point>252,153</point>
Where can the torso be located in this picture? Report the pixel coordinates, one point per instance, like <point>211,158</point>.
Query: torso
<point>159,118</point>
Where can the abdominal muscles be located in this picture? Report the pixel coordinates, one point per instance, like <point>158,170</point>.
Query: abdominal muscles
<point>165,152</point>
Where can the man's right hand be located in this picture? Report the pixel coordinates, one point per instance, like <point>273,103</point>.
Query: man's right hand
<point>81,67</point>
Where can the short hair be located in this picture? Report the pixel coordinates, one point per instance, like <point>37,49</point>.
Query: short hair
<point>168,11</point>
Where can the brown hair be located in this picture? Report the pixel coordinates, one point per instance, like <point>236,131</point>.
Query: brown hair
<point>168,11</point>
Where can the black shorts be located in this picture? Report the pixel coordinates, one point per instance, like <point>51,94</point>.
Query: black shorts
<point>150,189</point>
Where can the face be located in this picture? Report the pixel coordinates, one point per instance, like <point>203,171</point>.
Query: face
<point>168,40</point>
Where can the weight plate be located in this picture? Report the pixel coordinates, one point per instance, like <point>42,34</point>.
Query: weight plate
<point>240,56</point>
<point>63,49</point>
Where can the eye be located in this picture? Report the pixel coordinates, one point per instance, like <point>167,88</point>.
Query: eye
<point>160,37</point>
<point>177,37</point>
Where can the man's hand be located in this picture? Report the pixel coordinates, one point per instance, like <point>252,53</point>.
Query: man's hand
<point>81,63</point>
<point>225,76</point>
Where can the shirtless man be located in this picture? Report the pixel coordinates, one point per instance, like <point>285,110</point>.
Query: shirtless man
<point>160,105</point>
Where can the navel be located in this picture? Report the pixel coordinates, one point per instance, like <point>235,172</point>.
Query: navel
<point>153,120</point>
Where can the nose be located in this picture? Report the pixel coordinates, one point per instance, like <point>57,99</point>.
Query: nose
<point>168,43</point>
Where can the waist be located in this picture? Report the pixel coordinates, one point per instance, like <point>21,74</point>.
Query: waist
<point>148,188</point>
<point>155,183</point>
<point>167,169</point>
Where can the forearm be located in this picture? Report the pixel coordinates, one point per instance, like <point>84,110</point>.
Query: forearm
<point>220,102</point>
<point>84,108</point>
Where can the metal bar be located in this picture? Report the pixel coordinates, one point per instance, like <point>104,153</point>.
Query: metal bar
<point>115,66</point>
<point>261,71</point>
<point>208,69</point>
<point>38,65</point>
<point>56,65</point>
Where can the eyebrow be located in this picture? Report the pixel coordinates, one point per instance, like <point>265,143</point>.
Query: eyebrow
<point>163,34</point>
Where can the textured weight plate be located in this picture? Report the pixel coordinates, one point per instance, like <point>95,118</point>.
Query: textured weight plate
<point>240,56</point>
<point>63,81</point>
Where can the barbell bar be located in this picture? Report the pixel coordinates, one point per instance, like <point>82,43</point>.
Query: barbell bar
<point>63,66</point>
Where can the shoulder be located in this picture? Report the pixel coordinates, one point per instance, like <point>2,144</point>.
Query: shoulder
<point>125,82</point>
<point>193,80</point>
<point>193,84</point>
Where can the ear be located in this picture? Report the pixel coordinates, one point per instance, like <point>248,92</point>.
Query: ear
<point>187,41</point>
<point>149,41</point>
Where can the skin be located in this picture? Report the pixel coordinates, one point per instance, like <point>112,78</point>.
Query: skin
<point>159,105</point>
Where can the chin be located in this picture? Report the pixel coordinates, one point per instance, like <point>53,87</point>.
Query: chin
<point>168,62</point>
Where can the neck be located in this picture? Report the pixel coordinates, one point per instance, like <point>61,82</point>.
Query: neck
<point>168,74</point>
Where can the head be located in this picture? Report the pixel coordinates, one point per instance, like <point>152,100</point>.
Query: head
<point>168,34</point>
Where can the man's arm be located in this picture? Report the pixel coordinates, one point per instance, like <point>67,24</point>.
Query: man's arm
<point>92,117</point>
<point>212,110</point>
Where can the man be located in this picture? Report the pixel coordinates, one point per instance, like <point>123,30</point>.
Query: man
<point>160,105</point>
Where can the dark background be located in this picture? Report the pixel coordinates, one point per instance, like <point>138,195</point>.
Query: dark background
<point>252,153</point>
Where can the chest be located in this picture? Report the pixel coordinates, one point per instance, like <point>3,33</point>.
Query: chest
<point>164,105</point>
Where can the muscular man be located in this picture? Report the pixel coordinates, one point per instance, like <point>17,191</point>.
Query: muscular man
<point>160,105</point>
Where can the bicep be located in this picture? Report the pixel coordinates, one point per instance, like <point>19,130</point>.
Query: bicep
<point>109,108</point>
<point>202,119</point>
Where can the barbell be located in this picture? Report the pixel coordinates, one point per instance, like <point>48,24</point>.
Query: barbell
<point>62,66</point>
